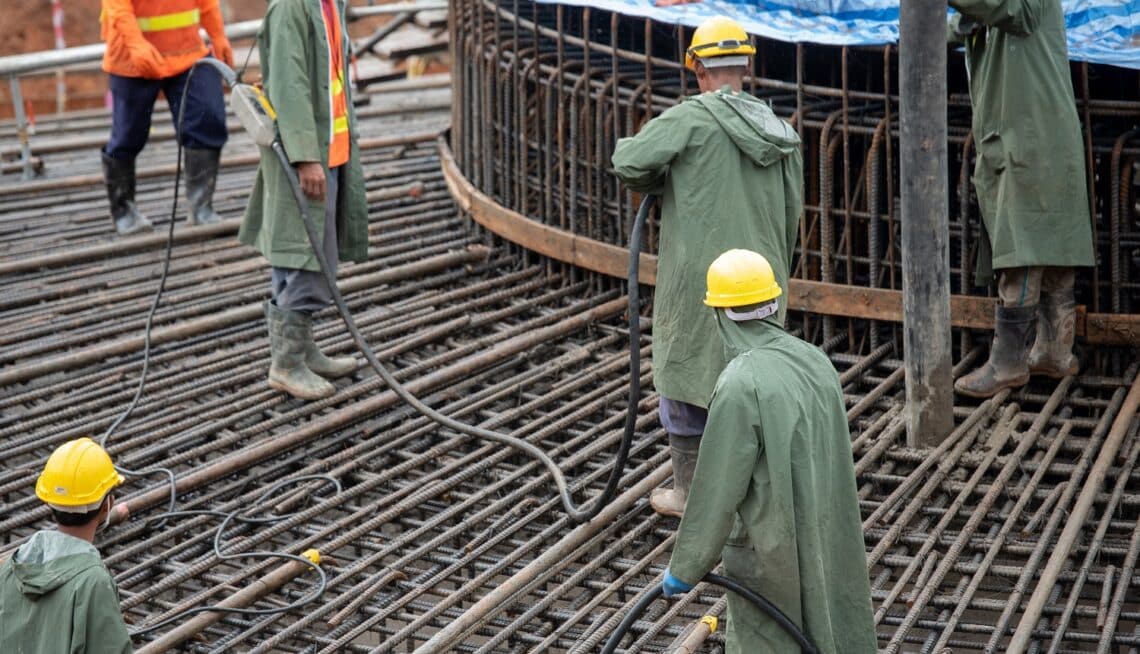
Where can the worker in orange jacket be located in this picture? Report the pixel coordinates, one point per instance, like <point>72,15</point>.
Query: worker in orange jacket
<point>151,46</point>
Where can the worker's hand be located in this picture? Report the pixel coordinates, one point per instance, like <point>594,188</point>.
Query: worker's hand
<point>224,52</point>
<point>671,585</point>
<point>312,176</point>
<point>148,60</point>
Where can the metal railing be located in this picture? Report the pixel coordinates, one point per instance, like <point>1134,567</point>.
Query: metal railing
<point>31,63</point>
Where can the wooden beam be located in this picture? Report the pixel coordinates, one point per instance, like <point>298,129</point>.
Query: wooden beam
<point>966,311</point>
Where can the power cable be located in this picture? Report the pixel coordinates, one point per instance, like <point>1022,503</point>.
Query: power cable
<point>758,600</point>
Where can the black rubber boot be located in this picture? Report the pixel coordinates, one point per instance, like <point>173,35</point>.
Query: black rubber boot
<point>288,336</point>
<point>1008,366</point>
<point>683,451</point>
<point>201,177</point>
<point>119,177</point>
<point>1052,353</point>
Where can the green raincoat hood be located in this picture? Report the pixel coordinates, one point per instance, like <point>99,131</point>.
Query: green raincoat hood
<point>49,560</point>
<point>751,125</point>
<point>740,337</point>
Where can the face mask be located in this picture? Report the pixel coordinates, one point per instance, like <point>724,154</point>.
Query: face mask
<point>107,520</point>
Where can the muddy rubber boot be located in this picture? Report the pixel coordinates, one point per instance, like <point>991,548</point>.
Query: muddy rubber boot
<point>201,177</point>
<point>288,372</point>
<point>330,367</point>
<point>1008,366</point>
<point>1052,353</point>
<point>119,177</point>
<point>683,451</point>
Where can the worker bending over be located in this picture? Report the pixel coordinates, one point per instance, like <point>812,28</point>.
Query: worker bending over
<point>774,489</point>
<point>1031,185</point>
<point>151,46</point>
<point>55,593</point>
<point>304,58</point>
<point>730,174</point>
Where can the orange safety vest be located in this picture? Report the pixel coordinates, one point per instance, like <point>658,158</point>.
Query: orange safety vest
<point>338,99</point>
<point>170,25</point>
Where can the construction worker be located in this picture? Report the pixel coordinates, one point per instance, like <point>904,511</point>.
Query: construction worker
<point>151,45</point>
<point>730,174</point>
<point>55,593</point>
<point>774,490</point>
<point>304,57</point>
<point>1031,186</point>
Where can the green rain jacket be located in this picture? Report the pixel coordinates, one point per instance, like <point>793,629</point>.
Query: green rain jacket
<point>294,53</point>
<point>730,174</point>
<point>56,597</point>
<point>774,494</point>
<point>1030,167</point>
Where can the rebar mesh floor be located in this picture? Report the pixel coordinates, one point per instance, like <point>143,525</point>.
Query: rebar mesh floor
<point>425,526</point>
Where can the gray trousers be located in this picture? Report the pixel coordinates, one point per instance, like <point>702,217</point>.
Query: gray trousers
<point>681,418</point>
<point>1019,287</point>
<point>306,290</point>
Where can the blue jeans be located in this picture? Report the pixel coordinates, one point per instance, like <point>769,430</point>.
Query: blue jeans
<point>132,103</point>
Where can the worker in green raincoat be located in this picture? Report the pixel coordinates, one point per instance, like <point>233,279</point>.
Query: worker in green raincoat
<point>56,596</point>
<point>1031,185</point>
<point>730,174</point>
<point>774,491</point>
<point>304,52</point>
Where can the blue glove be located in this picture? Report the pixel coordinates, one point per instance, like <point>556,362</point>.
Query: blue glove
<point>671,585</point>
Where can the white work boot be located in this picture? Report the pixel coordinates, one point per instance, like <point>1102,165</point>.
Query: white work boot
<point>671,502</point>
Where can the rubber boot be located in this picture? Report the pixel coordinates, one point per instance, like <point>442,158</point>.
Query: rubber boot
<point>683,451</point>
<point>201,177</point>
<point>288,332</point>
<point>1052,353</point>
<point>1008,366</point>
<point>330,367</point>
<point>119,177</point>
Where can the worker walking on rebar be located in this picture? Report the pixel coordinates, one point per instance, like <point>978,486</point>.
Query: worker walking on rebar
<point>730,174</point>
<point>55,593</point>
<point>1031,186</point>
<point>151,47</point>
<point>304,52</point>
<point>774,490</point>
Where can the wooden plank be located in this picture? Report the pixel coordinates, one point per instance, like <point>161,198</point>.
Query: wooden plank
<point>966,311</point>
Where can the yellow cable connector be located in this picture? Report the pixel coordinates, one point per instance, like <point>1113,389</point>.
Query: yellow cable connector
<point>711,621</point>
<point>312,555</point>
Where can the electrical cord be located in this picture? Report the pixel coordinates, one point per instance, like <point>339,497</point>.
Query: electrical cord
<point>761,602</point>
<point>235,516</point>
<point>578,514</point>
<point>148,328</point>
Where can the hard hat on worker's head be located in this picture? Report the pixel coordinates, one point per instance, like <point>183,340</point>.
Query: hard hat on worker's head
<point>742,278</point>
<point>77,476</point>
<point>719,42</point>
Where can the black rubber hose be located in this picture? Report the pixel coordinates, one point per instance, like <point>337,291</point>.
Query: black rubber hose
<point>630,618</point>
<point>576,513</point>
<point>757,599</point>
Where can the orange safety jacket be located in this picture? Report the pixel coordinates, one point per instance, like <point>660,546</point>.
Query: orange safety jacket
<point>338,99</point>
<point>157,38</point>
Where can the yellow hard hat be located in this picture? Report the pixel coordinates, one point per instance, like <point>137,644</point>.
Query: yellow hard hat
<point>77,476</point>
<point>739,278</point>
<point>718,36</point>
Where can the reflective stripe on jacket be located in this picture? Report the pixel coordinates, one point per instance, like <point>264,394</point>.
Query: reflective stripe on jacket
<point>155,39</point>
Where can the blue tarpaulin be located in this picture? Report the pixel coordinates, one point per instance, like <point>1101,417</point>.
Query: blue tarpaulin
<point>1100,31</point>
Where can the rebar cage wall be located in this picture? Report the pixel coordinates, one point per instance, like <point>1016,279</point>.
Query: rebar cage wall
<point>544,91</point>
